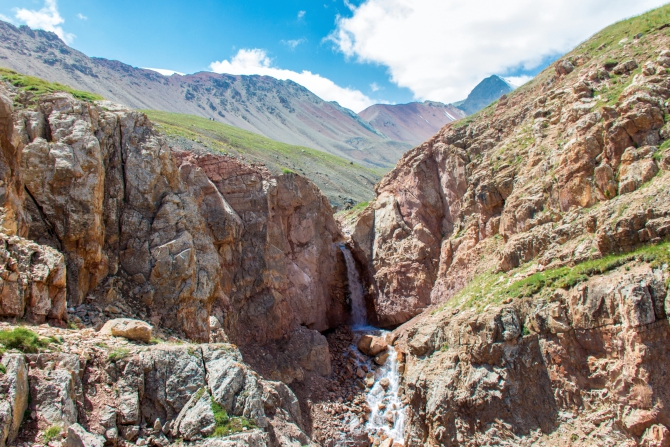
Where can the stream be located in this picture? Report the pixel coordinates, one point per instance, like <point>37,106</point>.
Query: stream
<point>388,413</point>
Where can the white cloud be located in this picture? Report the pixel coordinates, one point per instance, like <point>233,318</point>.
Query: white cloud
<point>48,18</point>
<point>375,87</point>
<point>164,71</point>
<point>256,61</point>
<point>518,81</point>
<point>301,14</point>
<point>440,49</point>
<point>292,44</point>
<point>81,16</point>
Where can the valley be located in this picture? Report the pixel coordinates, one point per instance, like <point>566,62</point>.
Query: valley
<point>170,278</point>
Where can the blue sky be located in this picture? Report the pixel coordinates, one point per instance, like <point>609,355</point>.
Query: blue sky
<point>372,50</point>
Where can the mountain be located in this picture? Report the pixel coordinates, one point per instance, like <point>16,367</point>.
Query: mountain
<point>487,91</point>
<point>523,256</point>
<point>280,110</point>
<point>411,123</point>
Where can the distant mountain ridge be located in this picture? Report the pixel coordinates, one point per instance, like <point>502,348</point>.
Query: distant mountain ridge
<point>412,123</point>
<point>281,110</point>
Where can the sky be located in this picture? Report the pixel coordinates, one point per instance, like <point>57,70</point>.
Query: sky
<point>357,52</point>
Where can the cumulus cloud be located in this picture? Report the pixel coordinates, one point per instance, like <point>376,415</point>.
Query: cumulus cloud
<point>256,62</point>
<point>375,87</point>
<point>301,14</point>
<point>164,71</point>
<point>440,49</point>
<point>292,44</point>
<point>48,18</point>
<point>81,16</point>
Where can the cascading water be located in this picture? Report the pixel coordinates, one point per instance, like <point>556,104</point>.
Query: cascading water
<point>358,312</point>
<point>387,412</point>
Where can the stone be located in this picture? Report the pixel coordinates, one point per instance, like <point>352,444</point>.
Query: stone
<point>77,436</point>
<point>640,420</point>
<point>371,345</point>
<point>52,397</point>
<point>656,436</point>
<point>14,385</point>
<point>128,328</point>
<point>388,442</point>
<point>380,359</point>
<point>196,419</point>
<point>384,383</point>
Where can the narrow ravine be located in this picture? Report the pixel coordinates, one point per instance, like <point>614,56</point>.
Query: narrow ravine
<point>386,420</point>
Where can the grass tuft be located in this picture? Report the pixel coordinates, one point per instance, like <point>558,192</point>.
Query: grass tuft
<point>51,433</point>
<point>226,425</point>
<point>118,354</point>
<point>24,340</point>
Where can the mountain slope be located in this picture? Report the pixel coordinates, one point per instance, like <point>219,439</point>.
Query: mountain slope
<point>487,91</point>
<point>281,110</point>
<point>525,252</point>
<point>412,123</point>
<point>340,180</point>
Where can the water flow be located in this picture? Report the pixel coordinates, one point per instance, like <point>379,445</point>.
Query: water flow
<point>358,312</point>
<point>388,411</point>
<point>387,414</point>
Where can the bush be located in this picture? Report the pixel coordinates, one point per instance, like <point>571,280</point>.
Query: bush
<point>23,340</point>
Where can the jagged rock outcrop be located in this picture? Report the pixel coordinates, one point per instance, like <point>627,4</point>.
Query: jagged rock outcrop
<point>108,390</point>
<point>590,363</point>
<point>550,173</point>
<point>172,237</point>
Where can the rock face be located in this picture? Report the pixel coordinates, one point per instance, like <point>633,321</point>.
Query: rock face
<point>155,394</point>
<point>547,174</point>
<point>285,264</point>
<point>565,375</point>
<point>531,241</point>
<point>171,236</point>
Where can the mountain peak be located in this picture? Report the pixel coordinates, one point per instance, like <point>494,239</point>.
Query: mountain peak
<point>487,91</point>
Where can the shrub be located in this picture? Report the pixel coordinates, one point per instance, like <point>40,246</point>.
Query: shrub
<point>23,340</point>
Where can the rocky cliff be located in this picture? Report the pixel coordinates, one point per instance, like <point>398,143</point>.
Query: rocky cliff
<point>529,238</point>
<point>98,207</point>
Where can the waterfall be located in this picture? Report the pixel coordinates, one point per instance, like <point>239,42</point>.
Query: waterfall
<point>388,413</point>
<point>358,312</point>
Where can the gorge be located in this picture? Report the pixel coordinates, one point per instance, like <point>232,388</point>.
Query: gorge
<point>508,284</point>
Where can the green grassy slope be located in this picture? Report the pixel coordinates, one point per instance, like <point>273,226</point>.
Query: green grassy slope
<point>39,86</point>
<point>336,177</point>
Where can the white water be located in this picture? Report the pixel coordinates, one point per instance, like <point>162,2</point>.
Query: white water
<point>387,410</point>
<point>358,313</point>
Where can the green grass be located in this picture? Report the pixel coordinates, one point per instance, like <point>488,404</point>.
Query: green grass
<point>40,87</point>
<point>51,433</point>
<point>334,175</point>
<point>226,425</point>
<point>492,288</point>
<point>24,340</point>
<point>118,354</point>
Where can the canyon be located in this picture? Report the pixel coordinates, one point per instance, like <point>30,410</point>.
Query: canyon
<point>508,285</point>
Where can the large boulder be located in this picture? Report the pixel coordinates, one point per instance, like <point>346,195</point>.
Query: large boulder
<point>128,328</point>
<point>371,345</point>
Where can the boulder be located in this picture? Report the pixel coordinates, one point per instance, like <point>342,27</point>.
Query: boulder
<point>77,436</point>
<point>128,328</point>
<point>371,345</point>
